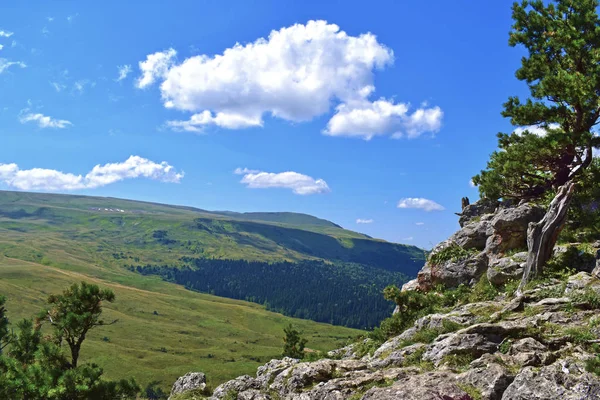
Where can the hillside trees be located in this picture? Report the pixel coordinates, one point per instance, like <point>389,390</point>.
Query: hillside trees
<point>550,157</point>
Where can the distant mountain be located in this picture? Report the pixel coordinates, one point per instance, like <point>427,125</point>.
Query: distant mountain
<point>285,251</point>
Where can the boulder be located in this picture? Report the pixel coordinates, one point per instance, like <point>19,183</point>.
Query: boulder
<point>555,381</point>
<point>529,352</point>
<point>267,373</point>
<point>477,209</point>
<point>504,269</point>
<point>453,273</point>
<point>190,381</point>
<point>510,228</point>
<point>488,376</point>
<point>473,344</point>
<point>238,385</point>
<point>427,386</point>
<point>473,235</point>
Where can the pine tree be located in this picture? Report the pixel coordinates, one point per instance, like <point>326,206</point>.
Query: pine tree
<point>293,344</point>
<point>562,71</point>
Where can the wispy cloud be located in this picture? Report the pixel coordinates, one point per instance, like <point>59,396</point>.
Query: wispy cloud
<point>364,221</point>
<point>420,203</point>
<point>101,175</point>
<point>5,64</point>
<point>124,70</point>
<point>299,183</point>
<point>6,34</point>
<point>43,121</point>
<point>419,223</point>
<point>58,86</point>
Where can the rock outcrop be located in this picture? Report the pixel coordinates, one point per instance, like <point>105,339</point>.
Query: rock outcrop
<point>542,345</point>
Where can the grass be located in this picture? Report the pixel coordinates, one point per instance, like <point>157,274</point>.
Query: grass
<point>164,331</point>
<point>452,253</point>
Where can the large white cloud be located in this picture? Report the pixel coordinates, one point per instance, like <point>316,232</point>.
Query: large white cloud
<point>100,175</point>
<point>420,203</point>
<point>298,183</point>
<point>43,121</point>
<point>296,74</point>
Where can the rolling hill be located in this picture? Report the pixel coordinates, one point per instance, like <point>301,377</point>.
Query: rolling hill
<point>292,263</point>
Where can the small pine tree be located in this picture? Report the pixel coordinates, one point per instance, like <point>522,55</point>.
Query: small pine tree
<point>293,344</point>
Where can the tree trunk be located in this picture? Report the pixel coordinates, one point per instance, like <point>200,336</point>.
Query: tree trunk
<point>542,236</point>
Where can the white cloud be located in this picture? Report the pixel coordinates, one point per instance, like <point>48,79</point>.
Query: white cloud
<point>408,239</point>
<point>80,85</point>
<point>6,34</point>
<point>420,203</point>
<point>298,183</point>
<point>13,44</point>
<point>243,171</point>
<point>43,121</point>
<point>472,184</point>
<point>364,221</point>
<point>535,129</point>
<point>197,122</point>
<point>155,67</point>
<point>419,223</point>
<point>297,73</point>
<point>124,70</point>
<point>383,117</point>
<point>1,47</point>
<point>58,86</point>
<point>100,175</point>
<point>5,64</point>
<point>50,19</point>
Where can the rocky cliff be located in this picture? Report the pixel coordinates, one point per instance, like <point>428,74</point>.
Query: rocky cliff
<point>543,344</point>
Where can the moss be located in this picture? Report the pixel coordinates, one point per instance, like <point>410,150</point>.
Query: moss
<point>593,365</point>
<point>452,253</point>
<point>458,362</point>
<point>471,391</point>
<point>505,346</point>
<point>579,335</point>
<point>483,290</point>
<point>360,393</point>
<point>588,296</point>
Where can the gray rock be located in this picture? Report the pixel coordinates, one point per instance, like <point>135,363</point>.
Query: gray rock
<point>477,209</point>
<point>473,344</point>
<point>473,235</point>
<point>529,352</point>
<point>395,358</point>
<point>504,269</point>
<point>266,374</point>
<point>410,285</point>
<point>301,375</point>
<point>238,385</point>
<point>488,376</point>
<point>510,228</point>
<point>453,273</point>
<point>552,382</point>
<point>578,282</point>
<point>190,381</point>
<point>427,386</point>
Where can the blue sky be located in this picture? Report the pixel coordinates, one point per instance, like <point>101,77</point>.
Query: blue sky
<point>396,106</point>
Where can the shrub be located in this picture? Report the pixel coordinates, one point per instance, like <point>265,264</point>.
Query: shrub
<point>453,253</point>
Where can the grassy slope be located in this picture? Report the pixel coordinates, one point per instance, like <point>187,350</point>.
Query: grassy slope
<point>49,241</point>
<point>192,332</point>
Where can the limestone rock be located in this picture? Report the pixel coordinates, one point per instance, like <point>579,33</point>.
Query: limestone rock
<point>555,381</point>
<point>473,344</point>
<point>488,376</point>
<point>427,386</point>
<point>510,228</point>
<point>473,235</point>
<point>238,385</point>
<point>453,273</point>
<point>505,269</point>
<point>190,381</point>
<point>477,209</point>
